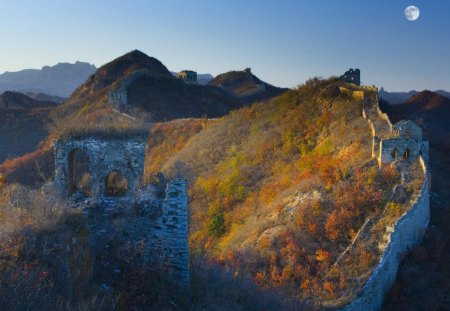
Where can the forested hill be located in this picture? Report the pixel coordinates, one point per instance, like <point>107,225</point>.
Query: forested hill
<point>152,93</point>
<point>245,85</point>
<point>279,189</point>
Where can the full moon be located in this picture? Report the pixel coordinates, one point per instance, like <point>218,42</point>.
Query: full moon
<point>412,13</point>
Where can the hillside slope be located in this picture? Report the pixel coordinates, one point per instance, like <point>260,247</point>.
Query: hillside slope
<point>23,124</point>
<point>278,190</point>
<point>246,86</point>
<point>152,93</point>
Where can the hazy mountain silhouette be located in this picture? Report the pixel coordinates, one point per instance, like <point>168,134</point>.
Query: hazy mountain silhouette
<point>400,97</point>
<point>61,79</point>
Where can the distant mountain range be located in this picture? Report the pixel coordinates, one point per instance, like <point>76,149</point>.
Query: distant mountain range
<point>153,90</point>
<point>45,97</point>
<point>400,97</point>
<point>153,93</point>
<point>23,124</point>
<point>60,80</point>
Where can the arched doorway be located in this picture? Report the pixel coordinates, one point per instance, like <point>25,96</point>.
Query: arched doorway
<point>394,154</point>
<point>78,178</point>
<point>116,185</point>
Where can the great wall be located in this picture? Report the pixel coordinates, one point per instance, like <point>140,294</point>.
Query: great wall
<point>163,224</point>
<point>393,144</point>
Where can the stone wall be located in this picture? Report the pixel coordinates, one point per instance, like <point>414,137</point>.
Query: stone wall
<point>383,115</point>
<point>119,97</point>
<point>136,224</point>
<point>396,148</point>
<point>142,227</point>
<point>173,230</point>
<point>125,156</point>
<point>409,228</point>
<point>407,233</point>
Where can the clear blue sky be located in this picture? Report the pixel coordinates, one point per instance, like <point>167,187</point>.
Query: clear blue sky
<point>285,42</point>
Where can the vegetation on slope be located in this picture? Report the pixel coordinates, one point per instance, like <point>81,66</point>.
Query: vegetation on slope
<point>279,189</point>
<point>165,140</point>
<point>44,260</point>
<point>32,169</point>
<point>46,263</point>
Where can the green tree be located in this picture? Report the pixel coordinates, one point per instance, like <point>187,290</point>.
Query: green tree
<point>216,227</point>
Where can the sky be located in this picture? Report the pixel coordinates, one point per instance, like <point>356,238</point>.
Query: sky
<point>285,42</point>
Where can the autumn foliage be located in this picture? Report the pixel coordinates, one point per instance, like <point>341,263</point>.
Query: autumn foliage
<point>279,189</point>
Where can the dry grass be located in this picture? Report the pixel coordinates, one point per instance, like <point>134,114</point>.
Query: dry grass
<point>40,266</point>
<point>106,125</point>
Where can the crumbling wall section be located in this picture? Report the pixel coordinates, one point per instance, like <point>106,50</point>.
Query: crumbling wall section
<point>154,230</point>
<point>173,230</point>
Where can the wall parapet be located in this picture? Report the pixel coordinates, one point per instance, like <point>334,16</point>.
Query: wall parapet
<point>384,116</point>
<point>405,234</point>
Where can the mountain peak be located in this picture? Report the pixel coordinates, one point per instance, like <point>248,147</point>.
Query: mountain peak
<point>425,95</point>
<point>137,60</point>
<point>428,101</point>
<point>125,65</point>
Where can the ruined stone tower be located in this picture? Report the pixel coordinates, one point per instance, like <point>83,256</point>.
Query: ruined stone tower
<point>157,227</point>
<point>352,76</point>
<point>188,76</point>
<point>405,144</point>
<point>105,156</point>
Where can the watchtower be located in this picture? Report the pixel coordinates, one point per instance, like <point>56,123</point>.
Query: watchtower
<point>352,76</point>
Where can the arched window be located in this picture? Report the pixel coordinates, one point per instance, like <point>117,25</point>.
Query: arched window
<point>78,177</point>
<point>406,154</point>
<point>116,185</point>
<point>394,154</point>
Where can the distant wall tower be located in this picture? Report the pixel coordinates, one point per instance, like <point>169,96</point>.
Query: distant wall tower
<point>118,98</point>
<point>352,76</point>
<point>188,76</point>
